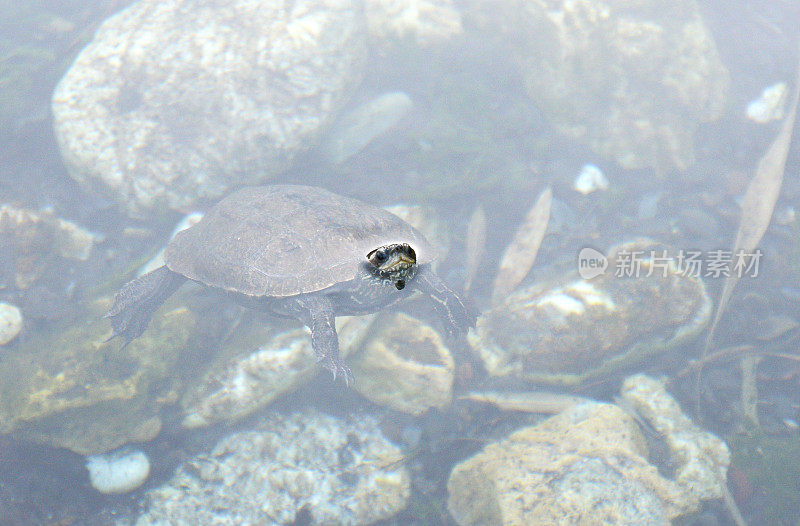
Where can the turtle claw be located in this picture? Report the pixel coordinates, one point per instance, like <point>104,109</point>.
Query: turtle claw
<point>337,367</point>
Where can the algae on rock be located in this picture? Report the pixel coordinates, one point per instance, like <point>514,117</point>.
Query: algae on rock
<point>74,389</point>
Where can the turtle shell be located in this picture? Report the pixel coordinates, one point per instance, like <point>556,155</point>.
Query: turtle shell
<point>282,240</point>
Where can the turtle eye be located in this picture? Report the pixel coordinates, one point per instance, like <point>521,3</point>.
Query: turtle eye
<point>378,257</point>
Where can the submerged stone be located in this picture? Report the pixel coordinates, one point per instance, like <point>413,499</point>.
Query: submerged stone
<point>173,103</point>
<point>572,329</point>
<point>252,381</point>
<point>404,365</point>
<point>588,465</point>
<point>258,365</point>
<point>701,459</point>
<point>118,472</point>
<point>306,466</point>
<point>769,106</point>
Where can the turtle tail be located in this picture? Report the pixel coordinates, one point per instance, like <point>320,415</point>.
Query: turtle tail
<point>137,300</point>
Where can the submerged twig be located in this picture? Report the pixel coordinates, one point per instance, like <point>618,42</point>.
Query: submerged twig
<point>730,505</point>
<point>757,208</point>
<point>722,355</point>
<point>539,402</point>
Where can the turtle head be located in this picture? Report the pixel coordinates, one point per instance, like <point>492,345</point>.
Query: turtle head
<point>396,262</point>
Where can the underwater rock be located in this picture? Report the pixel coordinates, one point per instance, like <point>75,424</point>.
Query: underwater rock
<point>305,464</point>
<point>250,382</point>
<point>587,465</point>
<point>423,21</point>
<point>35,238</point>
<point>404,365</point>
<point>118,472</point>
<point>73,388</point>
<point>244,380</point>
<point>633,80</point>
<point>701,459</point>
<point>169,104</point>
<point>571,329</point>
<point>10,322</point>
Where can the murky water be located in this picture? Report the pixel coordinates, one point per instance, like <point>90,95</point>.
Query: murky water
<point>600,183</point>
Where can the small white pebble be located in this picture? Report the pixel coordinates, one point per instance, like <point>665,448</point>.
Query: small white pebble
<point>118,472</point>
<point>10,322</point>
<point>590,178</point>
<point>769,105</point>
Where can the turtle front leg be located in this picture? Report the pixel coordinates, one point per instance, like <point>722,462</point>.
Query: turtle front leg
<point>446,303</point>
<point>137,300</point>
<point>324,340</point>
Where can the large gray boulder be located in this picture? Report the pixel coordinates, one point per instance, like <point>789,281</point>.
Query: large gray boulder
<point>175,102</point>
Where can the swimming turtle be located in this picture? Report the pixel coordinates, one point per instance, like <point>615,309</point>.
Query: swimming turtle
<point>296,251</point>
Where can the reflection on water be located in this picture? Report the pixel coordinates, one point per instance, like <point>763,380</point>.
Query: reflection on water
<point>608,187</point>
